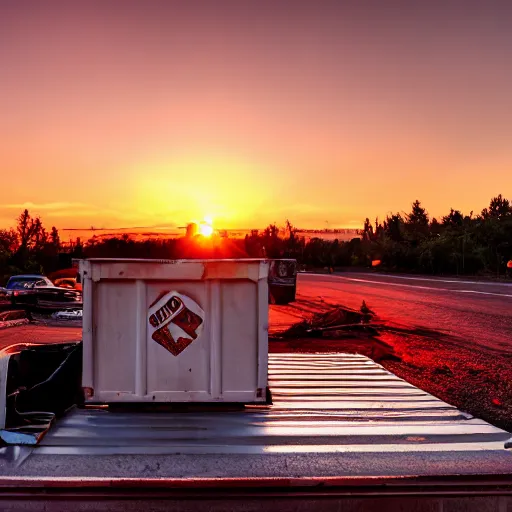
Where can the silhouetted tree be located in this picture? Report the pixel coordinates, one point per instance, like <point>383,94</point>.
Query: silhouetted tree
<point>499,207</point>
<point>393,227</point>
<point>39,236</point>
<point>367,232</point>
<point>25,228</point>
<point>55,238</point>
<point>8,240</point>
<point>418,215</point>
<point>435,227</point>
<point>453,219</point>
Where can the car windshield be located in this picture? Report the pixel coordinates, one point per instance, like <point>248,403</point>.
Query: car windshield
<point>26,282</point>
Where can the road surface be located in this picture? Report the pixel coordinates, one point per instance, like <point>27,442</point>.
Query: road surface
<point>39,333</point>
<point>477,312</point>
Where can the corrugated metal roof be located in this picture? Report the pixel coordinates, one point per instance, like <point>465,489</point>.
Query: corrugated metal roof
<point>338,405</point>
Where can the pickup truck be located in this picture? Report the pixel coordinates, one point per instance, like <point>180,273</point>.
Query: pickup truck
<point>342,433</point>
<point>120,422</point>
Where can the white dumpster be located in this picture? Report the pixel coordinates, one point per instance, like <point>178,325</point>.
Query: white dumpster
<point>175,331</point>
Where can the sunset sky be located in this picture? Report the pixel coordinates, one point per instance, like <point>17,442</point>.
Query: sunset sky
<point>154,113</point>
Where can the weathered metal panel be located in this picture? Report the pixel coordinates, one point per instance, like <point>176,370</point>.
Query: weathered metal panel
<point>348,425</point>
<point>114,308</point>
<point>236,326</point>
<point>166,331</point>
<point>263,322</point>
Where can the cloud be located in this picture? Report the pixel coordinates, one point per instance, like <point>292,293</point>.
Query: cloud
<point>73,213</point>
<point>45,206</point>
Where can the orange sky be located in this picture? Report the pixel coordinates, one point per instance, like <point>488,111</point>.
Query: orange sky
<point>156,113</point>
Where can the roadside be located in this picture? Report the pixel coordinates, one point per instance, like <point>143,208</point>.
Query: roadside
<point>478,315</point>
<point>471,378</point>
<point>17,327</point>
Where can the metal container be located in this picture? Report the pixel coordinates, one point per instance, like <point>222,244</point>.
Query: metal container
<point>175,331</point>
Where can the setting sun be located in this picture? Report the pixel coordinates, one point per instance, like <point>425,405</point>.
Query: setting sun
<point>205,227</point>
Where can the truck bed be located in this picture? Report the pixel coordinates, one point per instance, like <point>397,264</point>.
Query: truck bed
<point>342,434</point>
<point>332,415</point>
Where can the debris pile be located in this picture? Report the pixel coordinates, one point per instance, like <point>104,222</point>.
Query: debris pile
<point>13,318</point>
<point>333,323</point>
<point>17,314</point>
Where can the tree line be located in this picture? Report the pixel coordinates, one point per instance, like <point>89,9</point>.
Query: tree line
<point>29,248</point>
<point>456,243</point>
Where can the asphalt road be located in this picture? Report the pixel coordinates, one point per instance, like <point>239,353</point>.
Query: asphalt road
<point>476,313</point>
<point>35,333</point>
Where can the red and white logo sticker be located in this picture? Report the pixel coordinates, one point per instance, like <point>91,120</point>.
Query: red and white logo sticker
<point>175,321</point>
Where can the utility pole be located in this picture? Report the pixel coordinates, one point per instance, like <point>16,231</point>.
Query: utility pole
<point>464,250</point>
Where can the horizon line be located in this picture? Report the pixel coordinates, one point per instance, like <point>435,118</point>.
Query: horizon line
<point>216,229</point>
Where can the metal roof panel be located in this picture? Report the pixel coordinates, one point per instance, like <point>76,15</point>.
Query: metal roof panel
<point>329,418</point>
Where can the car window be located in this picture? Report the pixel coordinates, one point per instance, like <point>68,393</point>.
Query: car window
<point>20,284</point>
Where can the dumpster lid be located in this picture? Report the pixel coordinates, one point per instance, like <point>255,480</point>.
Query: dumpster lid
<point>189,269</point>
<point>175,262</point>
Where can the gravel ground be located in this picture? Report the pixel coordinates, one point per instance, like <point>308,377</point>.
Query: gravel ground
<point>473,380</point>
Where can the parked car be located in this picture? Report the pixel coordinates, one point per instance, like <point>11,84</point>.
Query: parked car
<point>68,282</point>
<point>282,281</point>
<point>39,292</point>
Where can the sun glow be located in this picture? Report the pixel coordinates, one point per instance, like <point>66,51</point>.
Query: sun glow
<point>206,227</point>
<point>232,190</point>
